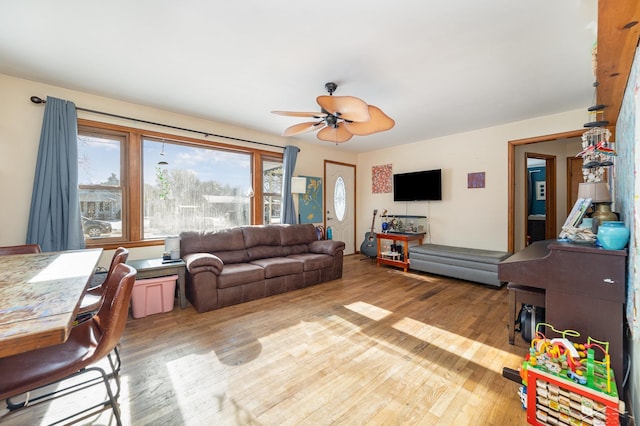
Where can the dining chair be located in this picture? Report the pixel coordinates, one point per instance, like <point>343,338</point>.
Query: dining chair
<point>89,342</point>
<point>92,298</point>
<point>20,249</point>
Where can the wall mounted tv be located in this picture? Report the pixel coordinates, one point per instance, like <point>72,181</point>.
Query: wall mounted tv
<point>425,185</point>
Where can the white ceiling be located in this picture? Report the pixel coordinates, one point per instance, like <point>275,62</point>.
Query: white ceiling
<point>435,67</point>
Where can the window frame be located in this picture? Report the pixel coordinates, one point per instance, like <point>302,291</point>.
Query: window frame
<point>132,179</point>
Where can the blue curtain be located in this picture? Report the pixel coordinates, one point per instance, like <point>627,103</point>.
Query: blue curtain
<point>288,213</point>
<point>54,219</point>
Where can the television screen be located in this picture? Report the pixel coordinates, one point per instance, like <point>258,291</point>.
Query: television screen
<point>418,186</point>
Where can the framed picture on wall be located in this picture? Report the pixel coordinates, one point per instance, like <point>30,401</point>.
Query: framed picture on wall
<point>310,202</point>
<point>475,180</point>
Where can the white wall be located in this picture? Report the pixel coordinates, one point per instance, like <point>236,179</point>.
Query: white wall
<point>475,218</point>
<point>465,217</point>
<point>21,120</point>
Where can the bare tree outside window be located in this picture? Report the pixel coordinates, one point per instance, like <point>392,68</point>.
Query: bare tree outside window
<point>197,189</point>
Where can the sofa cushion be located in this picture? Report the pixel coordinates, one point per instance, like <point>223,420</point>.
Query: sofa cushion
<point>313,261</point>
<point>262,241</point>
<point>266,235</point>
<point>297,234</point>
<point>233,256</point>
<point>227,244</point>
<point>261,252</point>
<point>279,266</point>
<point>295,249</point>
<point>239,273</point>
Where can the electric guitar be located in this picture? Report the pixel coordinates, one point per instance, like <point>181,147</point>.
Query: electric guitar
<point>369,246</point>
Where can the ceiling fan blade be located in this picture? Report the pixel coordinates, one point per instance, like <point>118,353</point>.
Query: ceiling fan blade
<point>300,114</point>
<point>379,122</point>
<point>347,107</point>
<point>334,134</point>
<point>308,126</point>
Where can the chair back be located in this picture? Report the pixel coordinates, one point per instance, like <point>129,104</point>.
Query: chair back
<point>119,256</point>
<point>114,311</point>
<point>20,249</point>
<point>94,296</point>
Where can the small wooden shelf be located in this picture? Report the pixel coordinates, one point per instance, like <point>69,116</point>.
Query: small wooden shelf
<point>393,255</point>
<point>394,259</point>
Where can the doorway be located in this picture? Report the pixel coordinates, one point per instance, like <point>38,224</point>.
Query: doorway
<point>540,197</point>
<point>340,203</point>
<point>516,237</point>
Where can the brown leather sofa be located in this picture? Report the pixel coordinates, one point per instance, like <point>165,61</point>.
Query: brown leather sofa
<point>250,262</point>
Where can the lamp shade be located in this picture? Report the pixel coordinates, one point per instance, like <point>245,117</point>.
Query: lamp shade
<point>597,191</point>
<point>171,243</point>
<point>298,185</point>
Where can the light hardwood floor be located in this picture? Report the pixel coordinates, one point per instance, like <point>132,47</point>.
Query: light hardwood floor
<point>378,346</point>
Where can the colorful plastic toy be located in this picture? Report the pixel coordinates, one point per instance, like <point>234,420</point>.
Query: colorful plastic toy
<point>574,361</point>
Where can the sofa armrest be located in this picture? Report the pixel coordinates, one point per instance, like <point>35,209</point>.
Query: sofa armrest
<point>326,247</point>
<point>200,262</point>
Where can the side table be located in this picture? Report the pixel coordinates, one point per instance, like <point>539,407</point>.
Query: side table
<point>154,268</point>
<point>394,260</point>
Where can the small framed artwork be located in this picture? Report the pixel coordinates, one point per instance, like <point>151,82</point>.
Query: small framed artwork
<point>475,180</point>
<point>381,179</point>
<point>577,213</point>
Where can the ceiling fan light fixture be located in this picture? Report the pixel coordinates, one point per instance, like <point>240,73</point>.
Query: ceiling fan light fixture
<point>340,119</point>
<point>331,120</point>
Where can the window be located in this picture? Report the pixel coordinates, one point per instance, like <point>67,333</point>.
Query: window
<point>190,188</point>
<point>140,186</point>
<point>100,184</point>
<point>340,199</point>
<point>271,189</point>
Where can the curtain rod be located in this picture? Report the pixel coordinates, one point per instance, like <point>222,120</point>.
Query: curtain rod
<point>37,100</point>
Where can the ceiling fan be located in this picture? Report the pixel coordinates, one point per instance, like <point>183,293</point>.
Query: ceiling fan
<point>340,118</point>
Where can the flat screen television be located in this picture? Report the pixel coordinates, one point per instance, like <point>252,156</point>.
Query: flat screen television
<point>424,185</point>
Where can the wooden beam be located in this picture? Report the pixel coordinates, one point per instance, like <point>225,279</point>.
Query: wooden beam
<point>618,35</point>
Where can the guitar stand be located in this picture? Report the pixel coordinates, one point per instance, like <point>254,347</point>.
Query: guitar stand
<point>368,257</point>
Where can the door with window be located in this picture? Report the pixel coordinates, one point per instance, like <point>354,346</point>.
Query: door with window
<point>340,202</point>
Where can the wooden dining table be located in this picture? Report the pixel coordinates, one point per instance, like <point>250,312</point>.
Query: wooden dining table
<point>39,297</point>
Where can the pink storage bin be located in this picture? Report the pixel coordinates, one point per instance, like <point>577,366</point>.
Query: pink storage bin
<point>153,296</point>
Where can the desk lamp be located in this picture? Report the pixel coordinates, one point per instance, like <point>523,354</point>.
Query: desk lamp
<point>600,198</point>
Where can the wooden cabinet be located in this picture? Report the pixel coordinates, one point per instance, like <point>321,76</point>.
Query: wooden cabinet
<point>395,258</point>
<point>584,288</point>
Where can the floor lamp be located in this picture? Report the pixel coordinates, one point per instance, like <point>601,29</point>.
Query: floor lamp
<point>298,186</point>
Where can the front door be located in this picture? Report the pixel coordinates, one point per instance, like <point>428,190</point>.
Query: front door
<point>340,203</point>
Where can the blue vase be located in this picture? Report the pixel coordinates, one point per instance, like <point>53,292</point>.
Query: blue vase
<point>613,235</point>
